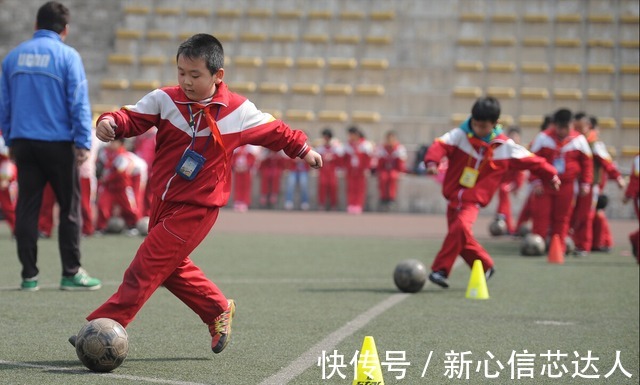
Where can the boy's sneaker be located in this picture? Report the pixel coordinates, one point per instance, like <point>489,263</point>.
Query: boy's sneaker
<point>439,278</point>
<point>220,329</point>
<point>80,281</point>
<point>489,273</point>
<point>29,284</point>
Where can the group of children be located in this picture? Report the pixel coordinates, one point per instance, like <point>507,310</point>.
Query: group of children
<point>568,167</point>
<point>355,159</point>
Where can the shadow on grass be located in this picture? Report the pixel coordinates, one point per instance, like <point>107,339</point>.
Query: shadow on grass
<point>429,291</point>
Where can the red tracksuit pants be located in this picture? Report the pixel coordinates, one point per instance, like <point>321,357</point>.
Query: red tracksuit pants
<point>582,221</point>
<point>124,198</point>
<point>242,188</point>
<point>460,240</point>
<point>45,218</point>
<point>356,188</point>
<point>525,212</point>
<point>388,184</point>
<point>269,186</point>
<point>175,230</point>
<point>552,212</point>
<point>602,237</point>
<point>328,190</point>
<point>87,186</point>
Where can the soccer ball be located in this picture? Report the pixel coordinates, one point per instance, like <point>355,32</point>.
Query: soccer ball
<point>569,245</point>
<point>498,227</point>
<point>143,225</point>
<point>410,275</point>
<point>102,345</point>
<point>115,225</point>
<point>532,245</point>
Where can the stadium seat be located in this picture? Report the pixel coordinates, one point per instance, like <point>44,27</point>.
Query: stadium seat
<point>259,13</point>
<point>273,88</point>
<point>602,43</point>
<point>629,19</point>
<point>374,64</point>
<point>534,93</point>
<point>346,39</point>
<point>501,92</point>
<point>467,92</point>
<point>535,18</point>
<point>370,89</point>
<point>351,15</point>
<point>567,42</point>
<point>333,116</point>
<point>631,44</point>
<point>470,41</point>
<point>289,14</point>
<point>534,68</point>
<point>606,122</point>
<point>300,115</point>
<point>568,18</point>
<point>469,65</point>
<point>365,117</point>
<point>600,18</point>
<point>320,14</point>
<point>504,18</point>
<point>253,37</point>
<point>458,118</point>
<point>567,94</point>
<point>501,66</point>
<point>568,68</point>
<point>535,41</point>
<point>471,17</point>
<point>243,87</point>
<point>600,69</point>
<point>337,89</point>
<point>342,63</point>
<point>228,13</point>
<point>305,88</point>
<point>602,95</point>
<point>630,123</point>
<point>310,62</point>
<point>630,150</point>
<point>247,61</point>
<point>167,11</point>
<point>316,38</point>
<point>378,39</point>
<point>382,15</point>
<point>530,120</point>
<point>197,12</point>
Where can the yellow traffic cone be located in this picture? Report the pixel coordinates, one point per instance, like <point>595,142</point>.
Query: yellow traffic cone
<point>477,288</point>
<point>368,367</point>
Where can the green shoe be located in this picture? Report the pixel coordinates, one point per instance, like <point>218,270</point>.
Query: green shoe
<point>80,281</point>
<point>29,284</point>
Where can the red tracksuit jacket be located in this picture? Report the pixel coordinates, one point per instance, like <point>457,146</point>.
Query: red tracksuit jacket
<point>492,160</point>
<point>239,122</point>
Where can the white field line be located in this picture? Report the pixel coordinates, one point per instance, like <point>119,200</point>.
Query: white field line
<point>310,357</point>
<point>110,375</point>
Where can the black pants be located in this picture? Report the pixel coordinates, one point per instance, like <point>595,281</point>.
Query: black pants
<point>40,162</point>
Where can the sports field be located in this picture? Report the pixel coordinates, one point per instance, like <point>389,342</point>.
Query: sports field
<point>308,283</point>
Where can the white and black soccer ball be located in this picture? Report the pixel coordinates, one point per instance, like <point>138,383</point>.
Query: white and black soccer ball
<point>498,227</point>
<point>143,226</point>
<point>115,225</point>
<point>410,276</point>
<point>532,245</point>
<point>102,345</point>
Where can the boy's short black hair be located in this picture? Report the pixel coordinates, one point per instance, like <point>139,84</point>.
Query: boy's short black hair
<point>327,132</point>
<point>353,130</point>
<point>545,122</point>
<point>52,16</point>
<point>486,108</point>
<point>579,115</point>
<point>514,129</point>
<point>203,46</point>
<point>594,121</point>
<point>562,117</point>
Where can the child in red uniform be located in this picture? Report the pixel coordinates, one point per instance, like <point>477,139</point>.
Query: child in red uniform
<point>116,187</point>
<point>271,166</point>
<point>357,161</point>
<point>479,155</point>
<point>391,157</point>
<point>586,217</point>
<point>332,153</point>
<point>568,151</point>
<point>200,122</point>
<point>242,164</point>
<point>511,183</point>
<point>633,193</point>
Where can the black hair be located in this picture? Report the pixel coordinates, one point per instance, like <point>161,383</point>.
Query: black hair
<point>514,129</point>
<point>545,122</point>
<point>562,117</point>
<point>579,115</point>
<point>52,16</point>
<point>486,108</point>
<point>327,132</point>
<point>353,130</point>
<point>594,121</point>
<point>203,46</point>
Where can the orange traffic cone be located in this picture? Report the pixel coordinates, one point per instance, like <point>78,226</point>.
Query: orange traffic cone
<point>556,255</point>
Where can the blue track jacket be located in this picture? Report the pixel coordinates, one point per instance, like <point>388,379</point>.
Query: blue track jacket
<point>44,93</point>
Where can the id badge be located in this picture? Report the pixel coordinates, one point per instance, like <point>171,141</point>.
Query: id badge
<point>469,177</point>
<point>559,165</point>
<point>190,164</point>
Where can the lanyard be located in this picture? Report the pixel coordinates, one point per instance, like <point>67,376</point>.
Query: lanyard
<point>193,125</point>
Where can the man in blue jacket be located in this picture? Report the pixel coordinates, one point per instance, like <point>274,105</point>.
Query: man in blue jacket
<point>46,122</point>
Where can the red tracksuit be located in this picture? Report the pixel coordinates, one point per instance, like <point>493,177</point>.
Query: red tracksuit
<point>8,174</point>
<point>271,166</point>
<point>491,161</point>
<point>332,154</point>
<point>391,162</point>
<point>590,228</point>
<point>116,188</point>
<point>633,193</point>
<point>184,211</point>
<point>45,218</point>
<point>357,160</point>
<point>571,157</point>
<point>242,165</point>
<point>511,182</point>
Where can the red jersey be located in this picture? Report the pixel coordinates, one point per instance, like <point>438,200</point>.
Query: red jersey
<point>571,156</point>
<point>391,158</point>
<point>490,160</point>
<point>239,123</point>
<point>332,154</point>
